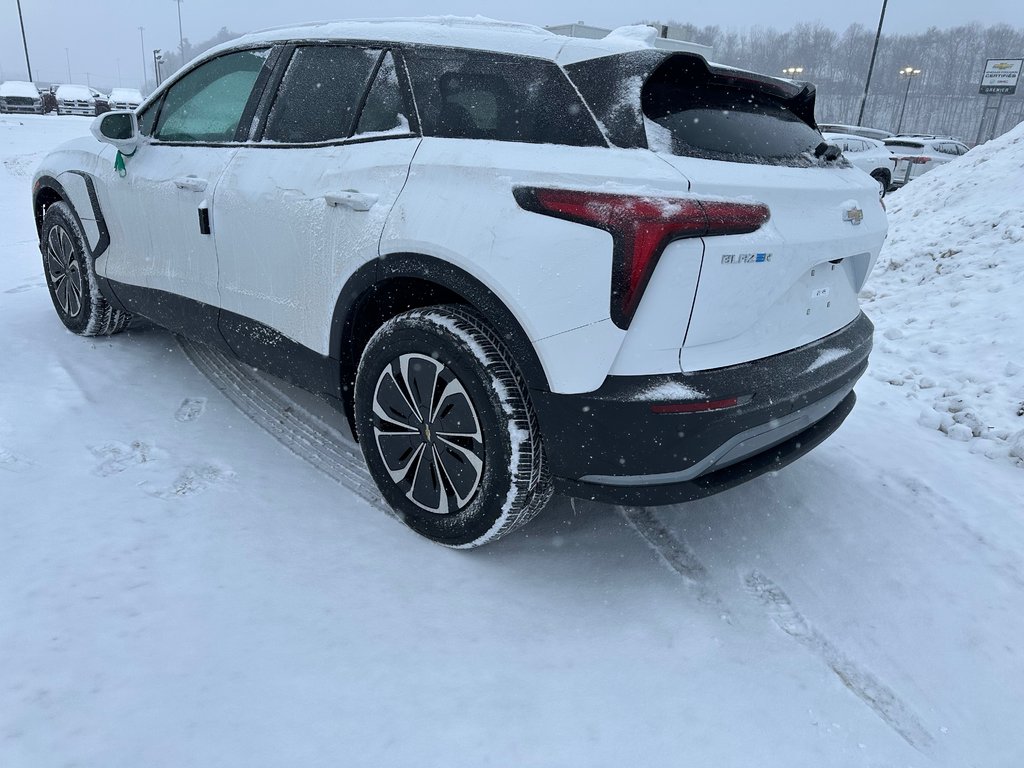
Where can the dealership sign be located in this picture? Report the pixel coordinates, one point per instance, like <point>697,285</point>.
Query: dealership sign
<point>1001,76</point>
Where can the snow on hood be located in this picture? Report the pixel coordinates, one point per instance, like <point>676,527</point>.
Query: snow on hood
<point>19,88</point>
<point>947,297</point>
<point>125,94</point>
<point>76,92</point>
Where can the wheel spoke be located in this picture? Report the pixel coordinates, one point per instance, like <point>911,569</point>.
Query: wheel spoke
<point>419,374</point>
<point>67,250</point>
<point>454,413</point>
<point>390,403</point>
<point>61,289</point>
<point>54,257</point>
<point>74,283</point>
<point>462,469</point>
<point>427,491</point>
<point>398,449</point>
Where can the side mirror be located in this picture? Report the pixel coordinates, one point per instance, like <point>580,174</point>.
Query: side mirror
<point>120,128</point>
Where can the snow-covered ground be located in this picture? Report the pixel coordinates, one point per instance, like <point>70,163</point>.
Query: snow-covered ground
<point>178,588</point>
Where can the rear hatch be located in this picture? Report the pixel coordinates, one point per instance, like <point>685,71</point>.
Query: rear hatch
<point>744,137</point>
<point>911,159</point>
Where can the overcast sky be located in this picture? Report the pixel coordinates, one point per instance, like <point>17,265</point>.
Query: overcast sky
<point>102,36</point>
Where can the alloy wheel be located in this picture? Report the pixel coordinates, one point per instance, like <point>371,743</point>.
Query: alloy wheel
<point>65,271</point>
<point>428,433</point>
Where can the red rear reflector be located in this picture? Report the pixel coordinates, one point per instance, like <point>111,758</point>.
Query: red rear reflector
<point>921,160</point>
<point>641,227</point>
<point>709,405</point>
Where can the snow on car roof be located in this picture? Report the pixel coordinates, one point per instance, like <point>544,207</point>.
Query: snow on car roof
<point>19,88</point>
<point>126,93</point>
<point>460,32</point>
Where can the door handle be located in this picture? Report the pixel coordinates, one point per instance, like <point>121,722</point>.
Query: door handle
<point>350,198</point>
<point>191,183</point>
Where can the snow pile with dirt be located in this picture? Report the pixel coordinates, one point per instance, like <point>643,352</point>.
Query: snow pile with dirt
<point>947,297</point>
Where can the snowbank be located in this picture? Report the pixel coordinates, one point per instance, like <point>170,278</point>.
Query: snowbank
<point>947,296</point>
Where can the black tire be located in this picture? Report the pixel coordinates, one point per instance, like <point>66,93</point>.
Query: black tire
<point>69,273</point>
<point>472,470</point>
<point>884,180</point>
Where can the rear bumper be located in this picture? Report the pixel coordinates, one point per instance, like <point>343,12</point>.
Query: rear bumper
<point>612,445</point>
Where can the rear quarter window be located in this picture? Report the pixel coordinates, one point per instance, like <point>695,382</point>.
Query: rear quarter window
<point>474,95</point>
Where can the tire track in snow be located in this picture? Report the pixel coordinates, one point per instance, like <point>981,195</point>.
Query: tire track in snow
<point>301,432</point>
<point>869,689</point>
<point>675,553</point>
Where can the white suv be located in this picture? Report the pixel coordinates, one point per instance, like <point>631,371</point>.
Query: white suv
<point>517,262</point>
<point>914,156</point>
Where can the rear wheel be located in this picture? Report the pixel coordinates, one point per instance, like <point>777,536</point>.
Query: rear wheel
<point>447,429</point>
<point>68,268</point>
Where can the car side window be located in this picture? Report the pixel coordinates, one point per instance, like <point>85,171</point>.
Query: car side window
<point>475,95</point>
<point>146,118</point>
<point>385,110</point>
<point>207,103</point>
<point>320,94</point>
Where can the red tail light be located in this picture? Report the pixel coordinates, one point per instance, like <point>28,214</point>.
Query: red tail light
<point>921,160</point>
<point>641,227</point>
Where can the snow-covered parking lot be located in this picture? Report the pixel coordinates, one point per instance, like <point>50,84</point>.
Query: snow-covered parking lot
<point>178,588</point>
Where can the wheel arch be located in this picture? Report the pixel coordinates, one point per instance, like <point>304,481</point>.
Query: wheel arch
<point>47,190</point>
<point>399,282</point>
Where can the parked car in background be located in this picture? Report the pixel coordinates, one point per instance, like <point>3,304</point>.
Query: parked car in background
<point>76,100</point>
<point>49,97</point>
<point>17,96</point>
<point>870,155</point>
<point>855,130</point>
<point>914,157</point>
<point>101,102</point>
<point>517,262</point>
<point>125,98</point>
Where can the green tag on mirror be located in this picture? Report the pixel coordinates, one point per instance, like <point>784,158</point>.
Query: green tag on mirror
<point>119,165</point>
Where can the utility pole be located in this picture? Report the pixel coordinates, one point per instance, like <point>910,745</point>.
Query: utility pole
<point>67,57</point>
<point>181,37</point>
<point>871,66</point>
<point>24,41</point>
<point>910,73</point>
<point>142,39</point>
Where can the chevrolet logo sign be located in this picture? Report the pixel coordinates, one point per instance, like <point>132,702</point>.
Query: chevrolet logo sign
<point>1002,65</point>
<point>853,215</point>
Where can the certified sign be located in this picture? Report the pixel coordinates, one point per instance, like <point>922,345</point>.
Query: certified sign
<point>1001,76</point>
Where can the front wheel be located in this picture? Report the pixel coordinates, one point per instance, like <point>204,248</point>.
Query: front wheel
<point>447,428</point>
<point>68,268</point>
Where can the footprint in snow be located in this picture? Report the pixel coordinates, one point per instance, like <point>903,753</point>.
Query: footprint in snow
<point>195,479</point>
<point>117,457</point>
<point>191,408</point>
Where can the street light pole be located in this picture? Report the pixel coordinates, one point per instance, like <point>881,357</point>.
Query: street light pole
<point>24,41</point>
<point>871,65</point>
<point>142,39</point>
<point>181,37</point>
<point>910,73</point>
<point>67,58</point>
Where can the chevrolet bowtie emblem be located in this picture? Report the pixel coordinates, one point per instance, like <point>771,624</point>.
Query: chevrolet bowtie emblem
<point>853,215</point>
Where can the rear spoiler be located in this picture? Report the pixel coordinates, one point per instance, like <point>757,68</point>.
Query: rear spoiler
<point>613,87</point>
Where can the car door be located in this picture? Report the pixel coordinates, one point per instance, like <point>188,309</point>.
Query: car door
<point>168,269</point>
<point>299,211</point>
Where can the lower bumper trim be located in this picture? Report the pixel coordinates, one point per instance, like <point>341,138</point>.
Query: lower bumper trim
<point>775,458</point>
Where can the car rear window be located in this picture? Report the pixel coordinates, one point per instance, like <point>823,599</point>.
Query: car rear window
<point>904,147</point>
<point>473,95</point>
<point>722,119</point>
